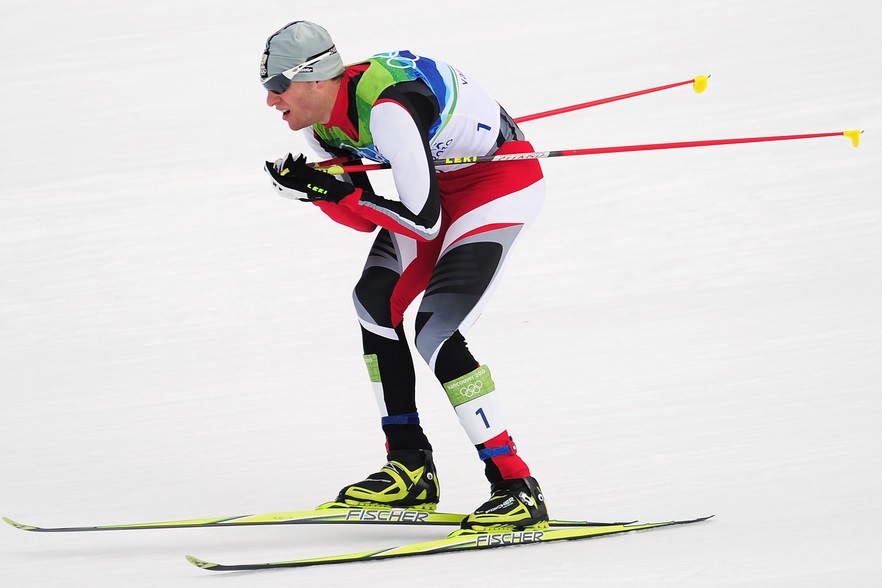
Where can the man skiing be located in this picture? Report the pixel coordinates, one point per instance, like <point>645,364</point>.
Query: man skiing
<point>447,235</point>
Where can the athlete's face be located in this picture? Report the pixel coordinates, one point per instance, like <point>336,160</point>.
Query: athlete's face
<point>304,103</point>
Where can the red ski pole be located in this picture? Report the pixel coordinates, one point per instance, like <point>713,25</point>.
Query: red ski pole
<point>699,84</point>
<point>854,135</point>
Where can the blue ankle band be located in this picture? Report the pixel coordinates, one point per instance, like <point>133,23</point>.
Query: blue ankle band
<point>401,419</point>
<point>491,452</point>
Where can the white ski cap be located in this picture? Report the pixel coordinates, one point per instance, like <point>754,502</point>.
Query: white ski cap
<point>296,43</point>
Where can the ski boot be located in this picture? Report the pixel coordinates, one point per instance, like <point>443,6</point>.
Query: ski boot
<point>514,505</point>
<point>408,480</point>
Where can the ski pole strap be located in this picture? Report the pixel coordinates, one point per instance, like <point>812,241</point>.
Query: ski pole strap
<point>401,419</point>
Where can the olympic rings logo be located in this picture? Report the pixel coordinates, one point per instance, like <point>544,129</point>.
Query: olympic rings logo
<point>395,60</point>
<point>472,390</point>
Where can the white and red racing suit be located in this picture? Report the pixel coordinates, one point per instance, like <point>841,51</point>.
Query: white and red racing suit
<point>447,235</point>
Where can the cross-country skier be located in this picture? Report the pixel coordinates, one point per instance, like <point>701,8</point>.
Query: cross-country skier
<point>448,234</point>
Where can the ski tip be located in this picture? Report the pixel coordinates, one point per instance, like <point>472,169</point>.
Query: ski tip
<point>668,523</point>
<point>699,84</point>
<point>697,520</point>
<point>201,563</point>
<point>21,526</point>
<point>855,136</point>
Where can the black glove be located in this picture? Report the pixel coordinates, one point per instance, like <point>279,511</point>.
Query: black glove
<point>294,179</point>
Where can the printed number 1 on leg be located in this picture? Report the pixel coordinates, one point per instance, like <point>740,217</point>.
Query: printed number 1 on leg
<point>480,413</point>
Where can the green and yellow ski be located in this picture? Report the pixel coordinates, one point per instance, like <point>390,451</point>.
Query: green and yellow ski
<point>457,542</point>
<point>367,516</point>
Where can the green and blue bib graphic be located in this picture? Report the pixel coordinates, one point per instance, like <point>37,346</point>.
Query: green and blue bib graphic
<point>386,70</point>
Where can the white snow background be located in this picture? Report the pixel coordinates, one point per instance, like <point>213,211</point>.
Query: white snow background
<point>682,333</point>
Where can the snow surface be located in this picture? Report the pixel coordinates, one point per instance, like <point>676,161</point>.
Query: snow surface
<point>682,333</point>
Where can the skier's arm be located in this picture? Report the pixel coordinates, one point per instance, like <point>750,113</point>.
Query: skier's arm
<point>417,212</point>
<point>399,125</point>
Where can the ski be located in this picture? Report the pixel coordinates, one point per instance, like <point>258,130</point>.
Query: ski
<point>367,516</point>
<point>458,542</point>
